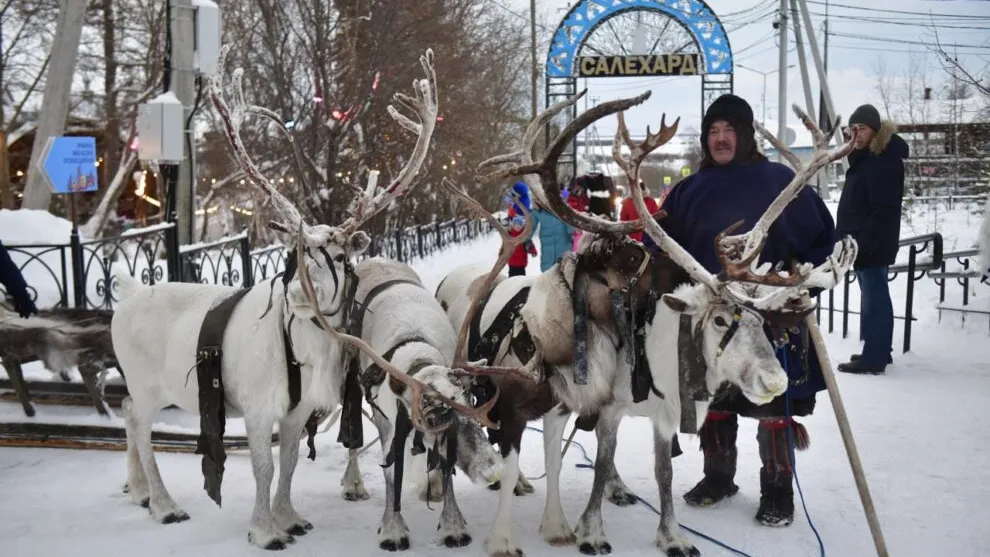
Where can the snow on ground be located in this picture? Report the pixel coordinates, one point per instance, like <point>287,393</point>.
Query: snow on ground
<point>918,428</point>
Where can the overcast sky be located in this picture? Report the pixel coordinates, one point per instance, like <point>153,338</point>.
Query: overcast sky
<point>868,34</point>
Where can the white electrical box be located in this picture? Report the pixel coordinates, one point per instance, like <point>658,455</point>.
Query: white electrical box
<point>206,52</point>
<point>159,128</point>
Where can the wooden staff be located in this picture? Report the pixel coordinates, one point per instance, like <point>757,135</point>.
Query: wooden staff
<point>847,437</point>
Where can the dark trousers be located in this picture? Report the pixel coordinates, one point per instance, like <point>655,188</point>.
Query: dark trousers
<point>516,271</point>
<point>877,316</point>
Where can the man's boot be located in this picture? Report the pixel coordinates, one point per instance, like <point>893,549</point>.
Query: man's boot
<point>777,473</point>
<point>718,441</point>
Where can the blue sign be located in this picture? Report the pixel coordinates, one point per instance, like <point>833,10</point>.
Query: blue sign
<point>694,15</point>
<point>69,164</point>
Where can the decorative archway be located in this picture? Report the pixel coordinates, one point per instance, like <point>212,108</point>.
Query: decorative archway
<point>690,41</point>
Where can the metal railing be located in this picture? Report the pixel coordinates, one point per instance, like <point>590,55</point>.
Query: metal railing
<point>914,269</point>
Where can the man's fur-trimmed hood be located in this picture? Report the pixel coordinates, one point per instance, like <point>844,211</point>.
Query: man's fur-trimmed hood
<point>886,138</point>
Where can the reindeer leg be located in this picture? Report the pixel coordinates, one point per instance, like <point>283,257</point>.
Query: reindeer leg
<point>264,533</point>
<point>453,527</point>
<point>89,373</point>
<point>286,517</point>
<point>137,481</point>
<point>669,537</point>
<point>590,530</point>
<point>554,525</point>
<point>352,482</point>
<point>138,417</point>
<point>431,490</point>
<point>523,487</point>
<point>13,367</point>
<point>500,542</point>
<point>616,490</point>
<point>393,534</point>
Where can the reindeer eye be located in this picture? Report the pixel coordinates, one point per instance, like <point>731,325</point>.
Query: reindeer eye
<point>720,321</point>
<point>339,257</point>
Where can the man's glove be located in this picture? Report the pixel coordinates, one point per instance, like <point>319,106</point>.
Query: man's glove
<point>24,306</point>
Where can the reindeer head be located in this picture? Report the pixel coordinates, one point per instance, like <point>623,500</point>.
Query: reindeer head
<point>726,314</point>
<point>327,252</point>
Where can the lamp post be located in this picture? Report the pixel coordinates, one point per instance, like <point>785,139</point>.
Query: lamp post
<point>763,115</point>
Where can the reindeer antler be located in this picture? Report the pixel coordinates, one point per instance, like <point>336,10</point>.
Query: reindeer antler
<point>424,109</point>
<point>546,168</point>
<point>638,153</point>
<point>509,244</point>
<point>232,119</point>
<point>479,414</point>
<point>739,252</point>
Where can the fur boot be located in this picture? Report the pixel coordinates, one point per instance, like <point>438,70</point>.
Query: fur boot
<point>777,473</point>
<point>718,441</point>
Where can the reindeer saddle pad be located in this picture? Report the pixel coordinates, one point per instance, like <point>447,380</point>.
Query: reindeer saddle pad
<point>508,321</point>
<point>212,411</point>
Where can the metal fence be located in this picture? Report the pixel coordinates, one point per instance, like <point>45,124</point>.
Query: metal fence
<point>82,274</point>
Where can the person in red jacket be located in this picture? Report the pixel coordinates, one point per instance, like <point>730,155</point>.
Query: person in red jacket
<point>520,257</point>
<point>628,210</point>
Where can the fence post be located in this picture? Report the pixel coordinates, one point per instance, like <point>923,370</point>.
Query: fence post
<point>248,281</point>
<point>173,259</point>
<point>909,303</point>
<point>78,276</point>
<point>845,304</point>
<point>398,245</point>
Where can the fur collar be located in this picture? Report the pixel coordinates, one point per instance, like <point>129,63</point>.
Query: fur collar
<point>882,138</point>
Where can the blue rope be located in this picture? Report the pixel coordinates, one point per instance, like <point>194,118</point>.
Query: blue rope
<point>588,463</point>
<point>793,456</point>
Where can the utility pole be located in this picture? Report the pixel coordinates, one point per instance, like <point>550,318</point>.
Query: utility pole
<point>58,86</point>
<point>182,81</point>
<point>532,49</point>
<point>782,78</point>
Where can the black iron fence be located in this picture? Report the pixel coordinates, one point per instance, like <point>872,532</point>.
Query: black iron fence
<point>913,270</point>
<point>82,274</point>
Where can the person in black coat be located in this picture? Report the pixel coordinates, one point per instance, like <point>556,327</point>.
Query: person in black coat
<point>15,285</point>
<point>735,182</point>
<point>870,211</point>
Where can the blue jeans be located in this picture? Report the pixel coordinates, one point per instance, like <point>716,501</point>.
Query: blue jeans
<point>876,317</point>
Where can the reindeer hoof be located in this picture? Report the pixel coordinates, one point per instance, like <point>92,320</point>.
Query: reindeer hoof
<point>622,498</point>
<point>495,486</point>
<point>462,540</point>
<point>355,496</point>
<point>175,517</point>
<point>146,502</point>
<point>279,545</point>
<point>300,529</point>
<point>401,544</point>
<point>601,548</point>
<point>679,552</point>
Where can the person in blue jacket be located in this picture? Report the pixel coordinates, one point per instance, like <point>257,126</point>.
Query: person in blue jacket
<point>15,285</point>
<point>736,182</point>
<point>870,211</point>
<point>556,236</point>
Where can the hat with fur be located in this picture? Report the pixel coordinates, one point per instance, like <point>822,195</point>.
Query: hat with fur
<point>737,112</point>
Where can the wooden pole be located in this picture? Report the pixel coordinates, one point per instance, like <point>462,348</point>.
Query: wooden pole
<point>847,437</point>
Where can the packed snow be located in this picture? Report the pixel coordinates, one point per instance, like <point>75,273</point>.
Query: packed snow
<point>919,428</point>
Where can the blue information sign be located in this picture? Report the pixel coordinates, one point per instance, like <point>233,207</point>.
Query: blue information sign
<point>69,164</point>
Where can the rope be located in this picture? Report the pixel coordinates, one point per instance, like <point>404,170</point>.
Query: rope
<point>589,464</point>
<point>793,457</point>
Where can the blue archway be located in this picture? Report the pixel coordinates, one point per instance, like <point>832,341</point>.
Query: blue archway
<point>694,16</point>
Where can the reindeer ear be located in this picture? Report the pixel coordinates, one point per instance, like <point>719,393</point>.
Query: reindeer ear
<point>675,303</point>
<point>357,243</point>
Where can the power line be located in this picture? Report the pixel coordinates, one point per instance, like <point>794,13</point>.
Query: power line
<point>945,15</point>
<point>906,41</point>
<point>886,21</point>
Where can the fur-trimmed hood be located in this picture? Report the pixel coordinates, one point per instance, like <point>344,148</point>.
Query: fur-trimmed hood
<point>887,140</point>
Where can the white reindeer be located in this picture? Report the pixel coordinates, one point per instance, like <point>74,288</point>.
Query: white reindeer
<point>720,312</point>
<point>154,337</point>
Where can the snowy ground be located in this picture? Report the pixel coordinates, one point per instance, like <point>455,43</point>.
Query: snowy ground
<point>919,430</point>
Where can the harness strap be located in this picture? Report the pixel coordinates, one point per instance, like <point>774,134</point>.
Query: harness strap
<point>486,347</point>
<point>579,304</point>
<point>212,411</point>
<point>356,323</point>
<point>374,375</point>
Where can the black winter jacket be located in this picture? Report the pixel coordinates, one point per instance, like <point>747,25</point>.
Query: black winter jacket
<point>870,205</point>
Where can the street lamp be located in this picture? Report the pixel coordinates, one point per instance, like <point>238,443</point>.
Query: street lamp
<point>763,116</point>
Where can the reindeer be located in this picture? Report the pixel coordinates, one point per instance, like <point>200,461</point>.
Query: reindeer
<point>712,310</point>
<point>271,329</point>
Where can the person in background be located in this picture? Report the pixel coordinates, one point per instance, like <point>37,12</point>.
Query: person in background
<point>556,236</point>
<point>577,199</point>
<point>519,198</point>
<point>15,285</point>
<point>870,211</point>
<point>735,182</point>
<point>628,210</point>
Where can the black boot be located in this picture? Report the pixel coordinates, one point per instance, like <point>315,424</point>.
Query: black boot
<point>777,473</point>
<point>718,440</point>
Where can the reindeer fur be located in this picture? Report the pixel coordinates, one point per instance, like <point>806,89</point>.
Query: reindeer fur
<point>154,338</point>
<point>400,312</point>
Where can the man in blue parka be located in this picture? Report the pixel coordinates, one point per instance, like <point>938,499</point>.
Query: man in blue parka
<point>735,182</point>
<point>15,285</point>
<point>870,211</point>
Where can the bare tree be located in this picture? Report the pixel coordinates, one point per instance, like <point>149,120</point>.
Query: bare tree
<point>977,76</point>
